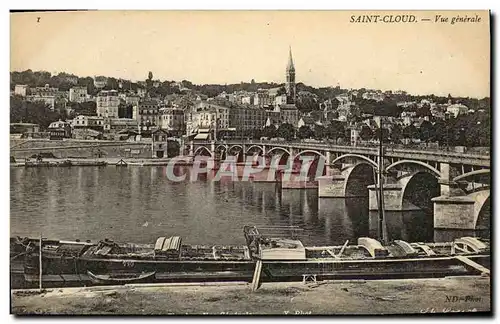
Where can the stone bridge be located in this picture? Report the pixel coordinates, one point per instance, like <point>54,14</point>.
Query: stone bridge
<point>455,185</point>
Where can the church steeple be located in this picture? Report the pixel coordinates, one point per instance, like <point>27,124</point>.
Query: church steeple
<point>290,66</point>
<point>290,79</point>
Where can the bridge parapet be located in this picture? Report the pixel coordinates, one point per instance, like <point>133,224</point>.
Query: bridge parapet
<point>475,159</point>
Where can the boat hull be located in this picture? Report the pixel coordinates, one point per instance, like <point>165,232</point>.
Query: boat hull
<point>272,271</point>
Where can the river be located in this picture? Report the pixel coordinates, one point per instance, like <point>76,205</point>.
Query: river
<point>139,204</point>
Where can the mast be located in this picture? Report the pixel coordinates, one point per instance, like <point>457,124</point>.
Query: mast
<point>40,263</point>
<point>382,224</point>
<point>215,128</point>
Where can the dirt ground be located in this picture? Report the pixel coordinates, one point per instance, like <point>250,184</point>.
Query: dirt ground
<point>459,294</point>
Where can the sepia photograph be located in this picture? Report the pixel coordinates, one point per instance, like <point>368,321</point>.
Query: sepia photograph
<point>250,162</point>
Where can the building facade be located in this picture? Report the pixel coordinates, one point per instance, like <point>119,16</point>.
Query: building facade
<point>172,121</point>
<point>148,114</point>
<point>107,104</point>
<point>21,90</point>
<point>118,124</point>
<point>289,114</point>
<point>244,118</point>
<point>78,94</point>
<point>94,122</point>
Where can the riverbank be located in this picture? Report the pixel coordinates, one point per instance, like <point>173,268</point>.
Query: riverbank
<point>101,161</point>
<point>410,296</point>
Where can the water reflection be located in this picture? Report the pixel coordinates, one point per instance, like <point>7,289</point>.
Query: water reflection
<point>139,204</point>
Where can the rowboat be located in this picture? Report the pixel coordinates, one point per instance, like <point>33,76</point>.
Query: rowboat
<point>118,279</point>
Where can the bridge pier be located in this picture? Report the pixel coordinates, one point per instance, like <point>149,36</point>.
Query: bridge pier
<point>349,182</point>
<point>453,209</point>
<point>297,181</point>
<point>191,148</point>
<point>393,200</point>
<point>454,212</point>
<point>331,186</point>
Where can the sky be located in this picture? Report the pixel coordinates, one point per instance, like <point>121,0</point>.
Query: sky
<point>422,57</point>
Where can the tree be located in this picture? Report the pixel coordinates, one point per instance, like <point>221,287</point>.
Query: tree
<point>37,112</point>
<point>320,132</point>
<point>426,131</point>
<point>410,132</point>
<point>306,104</point>
<point>335,130</point>
<point>150,76</point>
<point>385,134</point>
<point>304,132</point>
<point>269,131</point>
<point>366,133</point>
<point>396,134</point>
<point>286,131</point>
<point>424,111</point>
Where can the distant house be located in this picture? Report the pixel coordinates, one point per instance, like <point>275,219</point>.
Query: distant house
<point>159,144</point>
<point>59,130</point>
<point>457,109</point>
<point>21,90</point>
<point>306,121</point>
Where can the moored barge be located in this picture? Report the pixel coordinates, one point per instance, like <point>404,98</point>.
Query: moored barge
<point>69,263</point>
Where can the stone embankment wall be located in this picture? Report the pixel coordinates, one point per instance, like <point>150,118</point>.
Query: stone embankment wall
<point>22,148</point>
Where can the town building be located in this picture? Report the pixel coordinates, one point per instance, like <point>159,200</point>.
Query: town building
<point>172,121</point>
<point>355,138</point>
<point>21,90</point>
<point>148,114</point>
<point>78,94</point>
<point>45,94</point>
<point>118,124</point>
<point>207,114</point>
<point>24,130</point>
<point>107,104</point>
<point>132,100</point>
<point>262,98</point>
<point>244,118</point>
<point>159,143</point>
<point>59,130</point>
<point>289,114</point>
<point>280,100</point>
<point>248,100</point>
<point>457,109</point>
<point>48,100</point>
<point>141,92</point>
<point>92,122</point>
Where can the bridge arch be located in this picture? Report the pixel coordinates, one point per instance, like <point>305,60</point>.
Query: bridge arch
<point>201,149</point>
<point>358,178</point>
<point>255,146</point>
<point>234,146</point>
<point>472,174</point>
<point>220,146</point>
<point>482,212</point>
<point>279,148</point>
<point>309,151</point>
<point>425,165</point>
<point>418,189</point>
<point>362,157</point>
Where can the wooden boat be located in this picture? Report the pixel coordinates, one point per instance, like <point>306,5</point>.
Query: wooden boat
<point>118,279</point>
<point>281,259</point>
<point>68,263</point>
<point>288,259</point>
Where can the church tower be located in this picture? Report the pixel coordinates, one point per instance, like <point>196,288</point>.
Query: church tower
<point>290,80</point>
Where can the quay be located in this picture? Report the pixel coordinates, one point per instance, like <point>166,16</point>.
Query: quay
<point>343,297</point>
<point>47,162</point>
